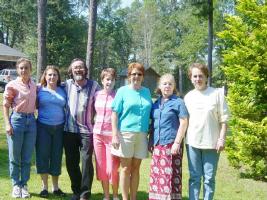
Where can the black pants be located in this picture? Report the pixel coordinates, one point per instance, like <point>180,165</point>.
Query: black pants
<point>76,146</point>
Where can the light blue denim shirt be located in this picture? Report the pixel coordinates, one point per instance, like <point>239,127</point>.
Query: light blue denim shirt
<point>166,119</point>
<point>133,108</point>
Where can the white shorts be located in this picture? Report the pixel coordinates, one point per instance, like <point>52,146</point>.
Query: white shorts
<point>132,145</point>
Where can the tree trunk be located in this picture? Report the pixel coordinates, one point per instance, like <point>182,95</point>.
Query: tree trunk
<point>2,37</point>
<point>13,40</point>
<point>181,80</point>
<point>41,53</point>
<point>91,34</point>
<point>7,36</point>
<point>210,40</point>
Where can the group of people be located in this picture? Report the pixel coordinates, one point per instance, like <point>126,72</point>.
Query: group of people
<point>119,127</point>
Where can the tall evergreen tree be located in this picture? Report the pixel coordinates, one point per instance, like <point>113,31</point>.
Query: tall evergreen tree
<point>113,38</point>
<point>16,20</point>
<point>66,33</point>
<point>41,55</point>
<point>91,34</point>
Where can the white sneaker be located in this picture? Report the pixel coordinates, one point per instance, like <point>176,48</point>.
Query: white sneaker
<point>16,192</point>
<point>24,192</point>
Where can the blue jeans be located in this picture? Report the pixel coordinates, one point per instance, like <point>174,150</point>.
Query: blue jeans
<point>49,149</point>
<point>20,146</point>
<point>202,163</point>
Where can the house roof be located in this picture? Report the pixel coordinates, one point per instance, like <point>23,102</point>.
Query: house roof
<point>9,54</point>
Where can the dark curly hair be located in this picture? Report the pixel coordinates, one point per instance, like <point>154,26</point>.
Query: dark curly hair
<point>83,65</point>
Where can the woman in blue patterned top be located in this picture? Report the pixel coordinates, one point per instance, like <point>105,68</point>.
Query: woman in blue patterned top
<point>130,120</point>
<point>169,117</point>
<point>51,100</point>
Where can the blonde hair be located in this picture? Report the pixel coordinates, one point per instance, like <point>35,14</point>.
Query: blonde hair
<point>168,77</point>
<point>24,60</point>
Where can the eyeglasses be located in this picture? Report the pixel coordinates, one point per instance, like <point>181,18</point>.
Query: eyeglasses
<point>76,67</point>
<point>136,74</point>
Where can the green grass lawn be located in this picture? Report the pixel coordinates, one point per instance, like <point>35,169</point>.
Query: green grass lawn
<point>229,185</point>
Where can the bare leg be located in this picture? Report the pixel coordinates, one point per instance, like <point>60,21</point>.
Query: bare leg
<point>125,177</point>
<point>44,178</point>
<point>115,188</point>
<point>105,186</point>
<point>55,183</point>
<point>134,182</point>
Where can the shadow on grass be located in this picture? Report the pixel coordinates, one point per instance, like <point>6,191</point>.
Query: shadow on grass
<point>245,175</point>
<point>4,161</point>
<point>96,196</point>
<point>140,196</point>
<point>4,172</point>
<point>51,196</point>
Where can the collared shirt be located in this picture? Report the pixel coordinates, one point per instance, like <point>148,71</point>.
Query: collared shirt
<point>79,107</point>
<point>51,105</point>
<point>166,119</point>
<point>103,110</point>
<point>207,109</point>
<point>21,97</point>
<point>133,108</point>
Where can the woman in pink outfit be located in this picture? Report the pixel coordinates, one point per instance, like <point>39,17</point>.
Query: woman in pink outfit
<point>107,165</point>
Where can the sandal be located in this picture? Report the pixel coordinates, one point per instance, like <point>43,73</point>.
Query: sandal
<point>43,193</point>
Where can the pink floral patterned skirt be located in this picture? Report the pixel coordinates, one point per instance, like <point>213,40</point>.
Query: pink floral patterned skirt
<point>165,174</point>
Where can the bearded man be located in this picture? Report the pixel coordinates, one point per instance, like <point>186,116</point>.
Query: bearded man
<point>78,137</point>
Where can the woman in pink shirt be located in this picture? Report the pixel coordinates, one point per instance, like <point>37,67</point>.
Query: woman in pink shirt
<point>106,164</point>
<point>20,126</point>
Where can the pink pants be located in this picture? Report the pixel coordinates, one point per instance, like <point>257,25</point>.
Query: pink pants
<point>107,165</point>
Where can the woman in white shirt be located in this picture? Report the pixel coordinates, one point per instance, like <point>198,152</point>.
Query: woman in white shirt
<point>206,132</point>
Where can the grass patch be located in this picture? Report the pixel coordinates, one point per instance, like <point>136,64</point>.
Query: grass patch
<point>229,184</point>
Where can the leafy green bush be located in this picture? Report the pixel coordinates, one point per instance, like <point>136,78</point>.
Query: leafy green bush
<point>245,65</point>
<point>247,147</point>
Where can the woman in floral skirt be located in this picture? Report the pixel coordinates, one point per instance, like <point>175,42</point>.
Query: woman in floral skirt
<point>169,116</point>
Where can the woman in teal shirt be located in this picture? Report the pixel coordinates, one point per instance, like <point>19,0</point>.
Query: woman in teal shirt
<point>130,121</point>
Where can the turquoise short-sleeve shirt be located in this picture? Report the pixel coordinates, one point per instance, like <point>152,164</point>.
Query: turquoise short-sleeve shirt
<point>133,108</point>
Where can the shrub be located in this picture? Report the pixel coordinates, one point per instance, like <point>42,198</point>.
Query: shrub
<point>245,65</point>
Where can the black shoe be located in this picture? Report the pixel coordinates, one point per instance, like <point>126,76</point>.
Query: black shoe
<point>59,193</point>
<point>43,194</point>
<point>75,197</point>
<point>85,195</point>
